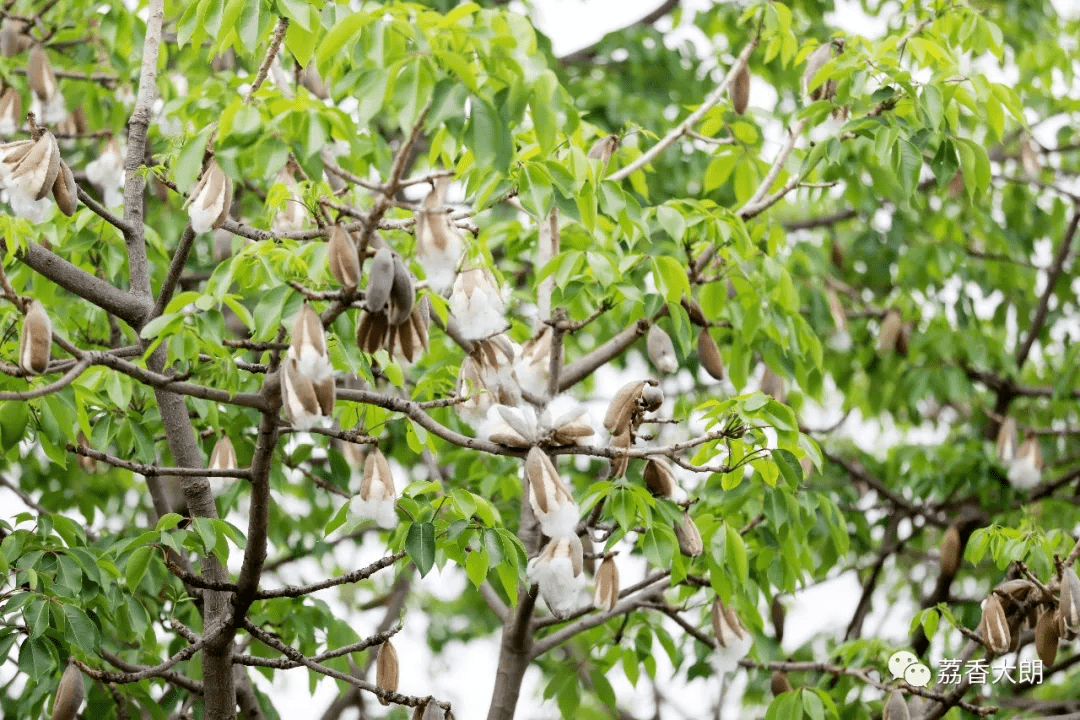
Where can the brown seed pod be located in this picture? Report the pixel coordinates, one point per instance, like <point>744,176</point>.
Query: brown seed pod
<point>814,62</point>
<point>660,478</point>
<point>371,331</point>
<point>40,73</point>
<point>13,37</point>
<point>69,693</point>
<point>689,537</point>
<point>694,312</point>
<point>950,552</point>
<point>896,707</point>
<point>726,625</point>
<point>623,406</point>
<point>709,355</point>
<point>35,344</point>
<point>64,190</point>
<point>402,294</point>
<point>604,148</point>
<point>380,280</point>
<point>344,262</point>
<point>606,593</point>
<point>889,332</point>
<point>661,350</point>
<point>740,90</point>
<point>619,464</point>
<point>223,456</point>
<point>1070,600</point>
<point>995,626</point>
<point>210,199</point>
<point>1046,637</point>
<point>386,669</point>
<point>37,171</point>
<point>11,106</point>
<point>779,683</point>
<point>773,385</point>
<point>1007,440</point>
<point>777,613</point>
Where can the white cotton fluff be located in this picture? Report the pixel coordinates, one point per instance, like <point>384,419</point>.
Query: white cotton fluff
<point>534,364</point>
<point>107,172</point>
<point>315,366</point>
<point>561,583</point>
<point>1024,473</point>
<point>561,521</point>
<point>25,206</point>
<point>511,426</point>
<point>726,659</point>
<point>841,341</point>
<point>7,126</point>
<point>569,420</point>
<point>378,508</point>
<point>477,305</point>
<point>52,112</point>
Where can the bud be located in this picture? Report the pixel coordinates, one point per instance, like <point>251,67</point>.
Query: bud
<point>344,263</point>
<point>386,669</point>
<point>660,478</point>
<point>1006,441</point>
<point>477,305</point>
<point>1025,472</point>
<point>223,456</point>
<point>889,332</point>
<point>402,294</point>
<point>1046,637</point>
<point>209,201</point>
<point>779,683</point>
<point>740,90</point>
<point>727,629</point>
<point>534,365</point>
<point>35,174</point>
<point>995,626</point>
<point>606,593</point>
<point>558,572</point>
<point>551,500</point>
<point>371,331</point>
<point>1070,600</point>
<point>661,350</point>
<point>306,403</point>
<point>439,245</point>
<point>377,498</point>
<point>896,707</point>
<point>10,111</point>
<point>773,385</point>
<point>623,406</point>
<point>35,344</point>
<point>308,346</point>
<point>689,538</point>
<point>604,148</point>
<point>950,552</point>
<point>652,397</point>
<point>409,339</point>
<point>64,190</point>
<point>619,462</point>
<point>709,355</point>
<point>69,693</point>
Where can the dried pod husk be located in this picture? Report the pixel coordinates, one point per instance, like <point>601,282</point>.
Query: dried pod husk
<point>777,614</point>
<point>223,456</point>
<point>689,537</point>
<point>65,192</point>
<point>814,62</point>
<point>709,355</point>
<point>386,669</point>
<point>10,109</point>
<point>779,683</point>
<point>35,343</point>
<point>661,350</point>
<point>13,37</point>
<point>1063,632</point>
<point>606,594</point>
<point>995,626</point>
<point>896,707</point>
<point>903,341</point>
<point>950,552</point>
<point>889,332</point>
<point>740,89</point>
<point>726,625</point>
<point>344,261</point>
<point>439,245</point>
<point>306,403</point>
<point>619,463</point>
<point>40,73</point>
<point>773,385</point>
<point>660,478</point>
<point>587,550</point>
<point>210,199</point>
<point>36,172</point>
<point>377,498</point>
<point>69,694</point>
<point>409,339</point>
<point>380,280</point>
<point>10,155</point>
<point>572,427</point>
<point>551,501</point>
<point>1046,637</point>
<point>1070,600</point>
<point>652,397</point>
<point>371,331</point>
<point>604,148</point>
<point>402,294</point>
<point>1029,159</point>
<point>623,406</point>
<point>1007,440</point>
<point>694,312</point>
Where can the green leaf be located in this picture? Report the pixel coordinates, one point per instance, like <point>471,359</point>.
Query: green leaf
<point>137,564</point>
<point>420,545</point>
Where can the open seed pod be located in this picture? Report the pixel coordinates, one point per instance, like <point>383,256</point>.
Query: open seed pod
<point>689,537</point>
<point>551,500</point>
<point>371,331</point>
<point>726,625</point>
<point>223,456</point>
<point>344,262</point>
<point>36,172</point>
<point>994,626</point>
<point>35,343</point>
<point>10,110</point>
<point>660,478</point>
<point>623,407</point>
<point>652,397</point>
<point>606,593</point>
<point>889,333</point>
<point>40,74</point>
<point>210,200</point>
<point>1007,441</point>
<point>1046,637</point>
<point>409,339</point>
<point>604,148</point>
<point>1069,605</point>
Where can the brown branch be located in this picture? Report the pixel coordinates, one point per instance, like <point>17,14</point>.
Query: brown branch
<point>271,53</point>
<point>1052,276</point>
<point>293,591</point>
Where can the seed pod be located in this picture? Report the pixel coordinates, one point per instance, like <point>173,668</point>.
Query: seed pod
<point>773,385</point>
<point>604,148</point>
<point>223,456</point>
<point>995,626</point>
<point>477,304</point>
<point>726,625</point>
<point>779,683</point>
<point>815,62</point>
<point>689,538</point>
<point>1029,160</point>
<point>557,570</point>
<point>896,707</point>
<point>623,406</point>
<point>209,201</point>
<point>69,693</point>
<point>777,613</point>
<point>807,466</point>
<point>1070,600</point>
<point>344,262</point>
<point>709,355</point>
<point>308,345</point>
<point>36,172</point>
<point>551,501</point>
<point>35,344</point>
<point>1063,632</point>
<point>607,585</point>
<point>40,73</point>
<point>660,478</point>
<point>439,244</point>
<point>693,310</point>
<point>306,403</point>
<point>950,552</point>
<point>652,397</point>
<point>620,463</point>
<point>386,669</point>
<point>11,108</point>
<point>13,38</point>
<point>88,464</point>
<point>409,339</point>
<point>402,294</point>
<point>380,280</point>
<point>740,90</point>
<point>1046,637</point>
<point>311,80</point>
<point>568,429</point>
<point>661,350</point>
<point>1007,440</point>
<point>430,711</point>
<point>371,330</point>
<point>64,190</point>
<point>889,332</point>
<point>10,155</point>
